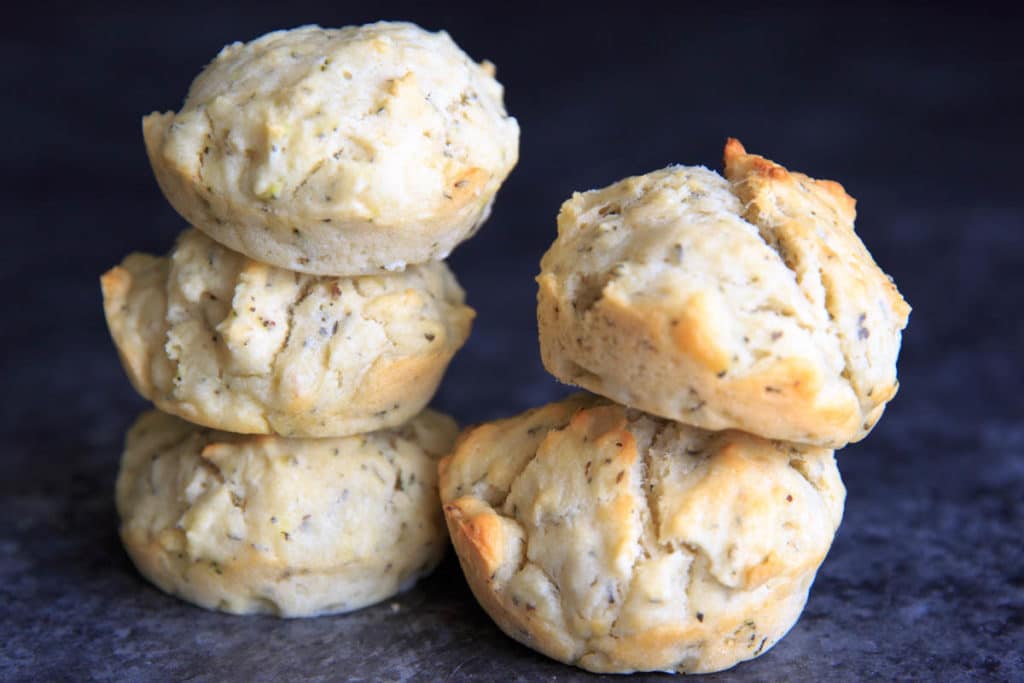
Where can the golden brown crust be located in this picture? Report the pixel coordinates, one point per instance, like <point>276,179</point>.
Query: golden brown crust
<point>811,224</point>
<point>674,293</point>
<point>615,541</point>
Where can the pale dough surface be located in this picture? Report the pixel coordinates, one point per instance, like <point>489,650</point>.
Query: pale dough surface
<point>337,151</point>
<point>230,343</point>
<point>743,302</point>
<point>289,527</point>
<point>616,541</point>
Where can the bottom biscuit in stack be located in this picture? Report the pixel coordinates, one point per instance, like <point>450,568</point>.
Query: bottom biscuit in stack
<point>291,527</point>
<point>617,541</point>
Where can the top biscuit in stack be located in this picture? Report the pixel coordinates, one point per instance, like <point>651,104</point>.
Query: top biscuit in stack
<point>337,151</point>
<point>745,302</point>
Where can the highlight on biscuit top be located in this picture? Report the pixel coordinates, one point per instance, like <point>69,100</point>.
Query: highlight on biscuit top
<point>337,151</point>
<point>746,301</point>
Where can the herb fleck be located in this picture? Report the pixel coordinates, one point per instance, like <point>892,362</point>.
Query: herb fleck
<point>862,332</point>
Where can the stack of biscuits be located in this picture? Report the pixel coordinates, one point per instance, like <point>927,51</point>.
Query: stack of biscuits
<point>737,331</point>
<point>295,333</point>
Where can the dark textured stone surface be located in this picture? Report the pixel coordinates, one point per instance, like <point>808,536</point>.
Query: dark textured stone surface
<point>916,112</point>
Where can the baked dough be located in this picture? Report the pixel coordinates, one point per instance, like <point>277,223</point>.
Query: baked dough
<point>616,541</point>
<point>337,151</point>
<point>747,303</point>
<point>230,343</point>
<point>290,527</point>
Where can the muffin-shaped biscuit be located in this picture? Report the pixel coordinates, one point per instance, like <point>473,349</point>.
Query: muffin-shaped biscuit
<point>230,343</point>
<point>747,303</point>
<point>337,151</point>
<point>616,541</point>
<point>291,527</point>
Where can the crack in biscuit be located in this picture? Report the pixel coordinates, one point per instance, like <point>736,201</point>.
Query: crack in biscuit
<point>204,150</point>
<point>589,290</point>
<point>211,467</point>
<point>649,541</point>
<point>305,288</point>
<point>499,502</point>
<point>837,332</point>
<point>312,171</point>
<point>799,465</point>
<point>648,485</point>
<point>813,219</point>
<point>789,254</point>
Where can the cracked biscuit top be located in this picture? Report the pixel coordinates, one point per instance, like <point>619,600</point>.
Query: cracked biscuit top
<point>618,541</point>
<point>290,527</point>
<point>234,344</point>
<point>743,302</point>
<point>337,151</point>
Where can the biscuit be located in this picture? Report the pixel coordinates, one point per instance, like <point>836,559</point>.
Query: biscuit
<point>747,303</point>
<point>289,527</point>
<point>230,343</point>
<point>617,541</point>
<point>337,151</point>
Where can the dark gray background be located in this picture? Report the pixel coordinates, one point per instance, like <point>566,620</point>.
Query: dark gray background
<point>916,109</point>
